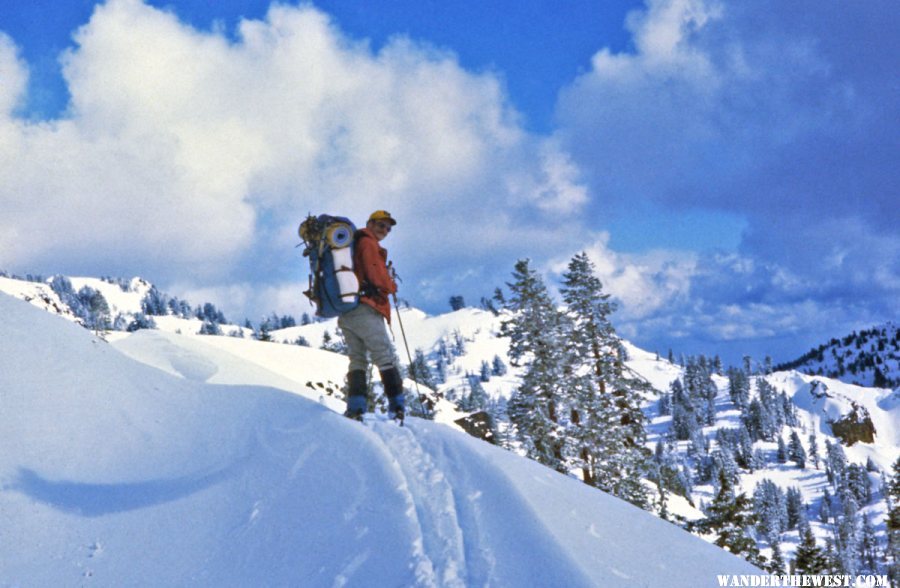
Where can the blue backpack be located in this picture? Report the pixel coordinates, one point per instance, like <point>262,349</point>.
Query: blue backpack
<point>329,243</point>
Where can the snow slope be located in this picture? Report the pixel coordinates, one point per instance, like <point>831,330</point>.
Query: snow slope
<point>114,472</point>
<point>870,357</point>
<point>825,400</point>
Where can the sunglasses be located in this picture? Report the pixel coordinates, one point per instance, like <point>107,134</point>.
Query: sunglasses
<point>383,226</point>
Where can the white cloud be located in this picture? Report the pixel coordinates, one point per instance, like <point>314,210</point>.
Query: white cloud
<point>556,189</point>
<point>764,111</point>
<point>186,153</point>
<point>642,284</point>
<point>13,76</point>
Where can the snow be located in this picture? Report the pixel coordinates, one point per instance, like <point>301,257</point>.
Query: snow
<point>119,299</point>
<point>38,294</point>
<point>658,372</point>
<point>207,464</point>
<point>823,400</point>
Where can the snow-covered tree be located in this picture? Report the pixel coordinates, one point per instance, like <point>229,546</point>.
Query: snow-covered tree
<point>809,558</point>
<point>892,491</point>
<point>210,328</point>
<point>794,508</point>
<point>498,368</point>
<point>154,303</point>
<point>782,452</point>
<point>140,321</point>
<point>814,449</point>
<point>535,329</point>
<point>604,398</point>
<point>770,509</point>
<point>485,372</point>
<point>457,302</point>
<point>419,370</point>
<point>729,516</point>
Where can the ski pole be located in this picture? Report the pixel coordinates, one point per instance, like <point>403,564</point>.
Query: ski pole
<point>408,354</point>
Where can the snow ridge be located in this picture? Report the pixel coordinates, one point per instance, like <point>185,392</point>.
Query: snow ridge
<point>116,471</point>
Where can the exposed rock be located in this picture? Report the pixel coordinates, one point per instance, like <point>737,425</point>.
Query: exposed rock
<point>479,425</point>
<point>855,426</point>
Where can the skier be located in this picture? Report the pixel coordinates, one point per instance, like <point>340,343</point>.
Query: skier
<point>364,326</point>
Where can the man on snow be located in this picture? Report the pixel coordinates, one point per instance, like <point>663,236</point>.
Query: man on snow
<point>364,326</point>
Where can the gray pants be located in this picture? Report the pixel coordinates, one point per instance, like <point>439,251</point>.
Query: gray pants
<point>365,333</point>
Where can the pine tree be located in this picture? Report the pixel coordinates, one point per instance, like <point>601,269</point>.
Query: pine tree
<point>684,416</point>
<point>794,508</point>
<point>835,463</point>
<point>796,453</point>
<point>814,449</point>
<point>847,540</point>
<point>477,398</point>
<point>858,483</point>
<point>334,344</point>
<point>826,507</point>
<point>95,309</point>
<point>729,517</point>
<point>744,450</point>
<point>776,563</point>
<point>782,453</point>
<point>264,334</point>
<point>485,373</point>
<point>498,368</point>
<point>893,523</point>
<point>440,369</point>
<point>664,405</point>
<point>140,321</point>
<point>154,303</point>
<point>770,509</point>
<point>210,328</point>
<point>809,558</point>
<point>868,547</point>
<point>738,387</point>
<point>605,409</point>
<point>457,302</point>
<point>419,370</point>
<point>535,329</point>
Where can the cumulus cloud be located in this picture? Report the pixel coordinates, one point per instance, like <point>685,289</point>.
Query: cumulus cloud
<point>704,103</point>
<point>189,153</point>
<point>190,156</point>
<point>725,303</point>
<point>782,114</point>
<point>642,284</point>
<point>13,75</point>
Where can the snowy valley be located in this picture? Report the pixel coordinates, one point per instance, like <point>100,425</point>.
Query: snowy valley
<point>165,446</point>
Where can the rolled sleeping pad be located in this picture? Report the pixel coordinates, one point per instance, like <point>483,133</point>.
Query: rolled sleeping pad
<point>343,270</point>
<point>339,235</point>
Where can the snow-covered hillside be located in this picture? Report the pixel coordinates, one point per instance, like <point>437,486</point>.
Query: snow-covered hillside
<point>104,304</point>
<point>114,472</point>
<point>870,357</point>
<point>460,344</point>
<point>466,362</point>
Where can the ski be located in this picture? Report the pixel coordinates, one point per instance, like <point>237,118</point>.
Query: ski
<point>369,417</point>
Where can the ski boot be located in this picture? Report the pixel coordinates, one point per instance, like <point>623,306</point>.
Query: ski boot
<point>357,398</point>
<point>393,389</point>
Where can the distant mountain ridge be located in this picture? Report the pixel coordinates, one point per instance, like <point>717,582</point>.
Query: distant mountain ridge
<point>866,358</point>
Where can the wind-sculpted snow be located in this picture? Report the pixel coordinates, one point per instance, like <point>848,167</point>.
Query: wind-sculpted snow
<point>117,473</point>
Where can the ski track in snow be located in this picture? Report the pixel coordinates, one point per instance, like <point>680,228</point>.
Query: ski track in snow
<point>432,507</point>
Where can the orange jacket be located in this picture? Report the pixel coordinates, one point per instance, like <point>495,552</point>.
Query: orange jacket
<point>370,265</point>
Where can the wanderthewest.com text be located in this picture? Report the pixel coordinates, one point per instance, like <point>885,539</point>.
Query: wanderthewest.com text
<point>802,580</point>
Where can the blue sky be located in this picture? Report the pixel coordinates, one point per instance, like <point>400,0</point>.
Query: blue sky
<point>730,167</point>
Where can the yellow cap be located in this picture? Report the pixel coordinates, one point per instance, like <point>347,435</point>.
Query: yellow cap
<point>382,215</point>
